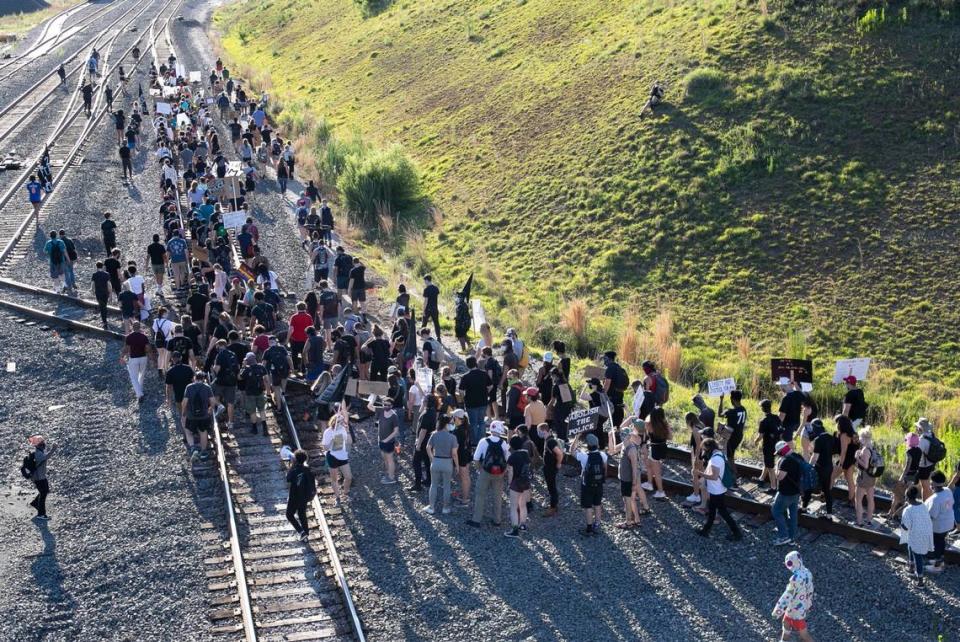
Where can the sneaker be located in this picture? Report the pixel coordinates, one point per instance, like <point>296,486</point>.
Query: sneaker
<point>782,541</point>
<point>513,532</point>
<point>693,498</point>
<point>470,522</point>
<point>383,479</point>
<point>194,454</point>
<point>588,530</point>
<point>920,582</point>
<point>646,486</point>
<point>429,510</point>
<point>523,527</point>
<point>415,489</point>
<point>933,568</point>
<point>230,425</point>
<point>205,455</point>
<point>659,495</point>
<point>462,503</point>
<point>446,511</point>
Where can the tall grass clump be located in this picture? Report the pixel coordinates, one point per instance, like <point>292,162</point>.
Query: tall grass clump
<point>630,348</point>
<point>382,181</point>
<point>573,318</point>
<point>706,85</point>
<point>370,8</point>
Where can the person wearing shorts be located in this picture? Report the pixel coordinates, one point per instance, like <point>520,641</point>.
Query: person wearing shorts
<point>197,423</point>
<point>796,600</point>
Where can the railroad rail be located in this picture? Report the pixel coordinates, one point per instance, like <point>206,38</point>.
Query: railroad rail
<point>281,589</point>
<point>73,312</point>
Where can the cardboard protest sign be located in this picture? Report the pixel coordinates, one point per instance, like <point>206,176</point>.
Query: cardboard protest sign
<point>169,92</point>
<point>855,367</point>
<point>183,121</point>
<point>721,387</point>
<point>799,370</point>
<point>234,220</point>
<point>379,388</point>
<point>566,395</point>
<point>479,316</point>
<point>155,92</point>
<point>195,76</point>
<point>164,108</point>
<point>594,372</point>
<point>580,421</point>
<point>425,379</point>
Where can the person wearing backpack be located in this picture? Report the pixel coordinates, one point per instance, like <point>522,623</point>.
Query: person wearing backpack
<point>615,384</point>
<point>785,507</point>
<point>822,461</point>
<point>197,410</point>
<point>934,451</point>
<point>253,379</point>
<point>593,472</point>
<point>516,400</point>
<point>519,479</point>
<point>718,477</point>
<point>869,467</point>
<point>432,350</point>
<point>225,370</point>
<point>329,308</point>
<point>303,488</point>
<point>491,456</point>
<point>656,383</point>
<point>34,468</point>
<point>56,252</point>
<point>940,506</point>
<point>279,365</point>
<point>442,448</point>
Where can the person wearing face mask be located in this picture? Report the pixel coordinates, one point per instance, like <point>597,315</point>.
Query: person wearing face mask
<point>797,599</point>
<point>388,428</point>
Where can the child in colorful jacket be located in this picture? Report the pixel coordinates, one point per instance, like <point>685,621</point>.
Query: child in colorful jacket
<point>797,599</point>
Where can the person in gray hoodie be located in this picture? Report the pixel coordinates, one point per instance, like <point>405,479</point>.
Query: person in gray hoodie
<point>41,455</point>
<point>940,505</point>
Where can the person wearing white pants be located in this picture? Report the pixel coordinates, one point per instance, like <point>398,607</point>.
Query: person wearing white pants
<point>135,348</point>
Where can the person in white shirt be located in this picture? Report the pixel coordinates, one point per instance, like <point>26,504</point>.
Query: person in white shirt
<point>713,476</point>
<point>337,442</point>
<point>593,467</point>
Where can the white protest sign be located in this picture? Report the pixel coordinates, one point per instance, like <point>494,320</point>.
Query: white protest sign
<point>234,220</point>
<point>721,387</point>
<point>425,379</point>
<point>183,121</point>
<point>209,101</point>
<point>181,70</point>
<point>155,92</point>
<point>855,367</point>
<point>806,387</point>
<point>195,76</point>
<point>479,316</point>
<point>169,92</point>
<point>164,108</point>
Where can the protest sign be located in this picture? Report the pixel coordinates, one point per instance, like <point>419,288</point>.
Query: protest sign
<point>164,108</point>
<point>580,421</point>
<point>851,367</point>
<point>425,379</point>
<point>799,370</point>
<point>566,395</point>
<point>379,388</point>
<point>721,387</point>
<point>234,220</point>
<point>195,76</point>
<point>594,372</point>
<point>479,316</point>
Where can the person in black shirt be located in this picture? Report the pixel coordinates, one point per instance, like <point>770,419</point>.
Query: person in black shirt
<point>197,302</point>
<point>157,252</point>
<point>561,359</point>
<point>379,349</point>
<point>101,290</point>
<point>736,420</point>
<point>854,405</point>
<point>357,285</point>
<point>790,408</point>
<point>768,433</point>
<point>326,222</point>
<point>476,387</point>
<point>431,307</point>
<point>108,232</point>
<point>615,384</point>
<point>822,461</point>
<point>178,377</point>
<point>182,345</point>
<point>847,449</point>
<point>786,503</point>
<point>343,263</point>
<point>113,265</point>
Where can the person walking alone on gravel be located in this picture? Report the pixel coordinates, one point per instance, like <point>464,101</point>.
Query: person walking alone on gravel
<point>431,306</point>
<point>100,286</point>
<point>34,194</point>
<point>87,92</point>
<point>126,164</point>
<point>796,601</point>
<point>303,488</point>
<point>36,467</point>
<point>56,252</point>
<point>108,233</point>
<point>443,452</point>
<point>491,455</point>
<point>135,347</point>
<point>713,474</point>
<point>62,73</point>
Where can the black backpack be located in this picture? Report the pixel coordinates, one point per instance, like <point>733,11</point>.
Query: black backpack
<point>29,465</point>
<point>277,362</point>
<point>594,473</point>
<point>661,393</point>
<point>620,381</point>
<point>936,451</point>
<point>493,460</point>
<point>521,477</point>
<point>56,254</point>
<point>305,485</point>
<point>253,385</point>
<point>228,368</point>
<point>198,406</point>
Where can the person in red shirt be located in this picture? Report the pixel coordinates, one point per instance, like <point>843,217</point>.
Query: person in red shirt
<point>261,340</point>
<point>299,323</point>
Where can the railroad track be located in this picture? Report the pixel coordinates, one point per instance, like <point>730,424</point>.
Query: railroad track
<point>265,584</point>
<point>68,140</point>
<point>50,308</point>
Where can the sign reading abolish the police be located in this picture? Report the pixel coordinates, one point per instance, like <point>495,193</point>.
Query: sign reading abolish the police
<point>580,421</point>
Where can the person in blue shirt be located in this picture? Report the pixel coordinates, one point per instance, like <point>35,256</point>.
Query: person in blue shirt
<point>56,252</point>
<point>35,192</point>
<point>177,253</point>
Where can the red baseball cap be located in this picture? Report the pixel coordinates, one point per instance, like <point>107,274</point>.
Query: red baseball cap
<point>851,380</point>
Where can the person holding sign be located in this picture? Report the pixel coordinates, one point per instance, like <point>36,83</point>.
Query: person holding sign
<point>615,384</point>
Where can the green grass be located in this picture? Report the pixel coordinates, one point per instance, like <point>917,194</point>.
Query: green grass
<point>795,189</point>
<point>21,22</point>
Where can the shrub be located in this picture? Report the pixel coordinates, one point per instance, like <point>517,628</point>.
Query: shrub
<point>333,156</point>
<point>378,182</point>
<point>370,8</point>
<point>706,85</point>
<point>573,317</point>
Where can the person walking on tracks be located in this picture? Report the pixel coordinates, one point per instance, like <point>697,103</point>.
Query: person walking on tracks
<point>197,410</point>
<point>56,253</point>
<point>714,473</point>
<point>135,347</point>
<point>34,468</point>
<point>797,599</point>
<point>593,472</point>
<point>108,232</point>
<point>34,193</point>
<point>100,286</point>
<point>303,488</point>
<point>87,92</point>
<point>70,278</point>
<point>62,73</point>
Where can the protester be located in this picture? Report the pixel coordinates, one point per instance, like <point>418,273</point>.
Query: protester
<point>822,461</point>
<point>303,488</point>
<point>786,502</point>
<point>518,481</point>
<point>491,456</point>
<point>768,434</point>
<point>135,348</point>
<point>593,472</point>
<point>552,461</point>
<point>442,448</point>
<point>870,466</point>
<point>197,409</point>
<point>933,452</point>
<point>908,476</point>
<point>919,531</point>
<point>337,442</point>
<point>795,603</point>
<point>940,507</point>
<point>713,474</point>
<point>628,472</point>
<point>36,467</point>
<point>658,433</point>
<point>388,429</point>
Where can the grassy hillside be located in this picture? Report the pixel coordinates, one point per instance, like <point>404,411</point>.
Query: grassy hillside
<point>797,193</point>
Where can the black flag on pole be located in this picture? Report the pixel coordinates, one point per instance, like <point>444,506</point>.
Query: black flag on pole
<point>465,292</point>
<point>335,390</point>
<point>410,347</point>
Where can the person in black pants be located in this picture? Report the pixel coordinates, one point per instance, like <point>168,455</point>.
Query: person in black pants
<point>736,421</point>
<point>101,290</point>
<point>39,475</point>
<point>302,489</point>
<point>431,308</point>
<point>552,460</point>
<point>421,461</point>
<point>713,474</point>
<point>822,461</point>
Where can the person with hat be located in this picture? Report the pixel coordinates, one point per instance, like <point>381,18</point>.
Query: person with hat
<point>536,411</point>
<point>712,475</point>
<point>491,456</point>
<point>628,472</point>
<point>593,472</point>
<point>925,430</point>
<point>796,600</point>
<point>615,384</point>
<point>940,507</point>
<point>854,405</point>
<point>821,458</point>
<point>786,502</point>
<point>38,475</point>
<point>908,476</point>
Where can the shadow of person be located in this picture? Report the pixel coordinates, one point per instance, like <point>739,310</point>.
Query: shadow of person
<point>48,577</point>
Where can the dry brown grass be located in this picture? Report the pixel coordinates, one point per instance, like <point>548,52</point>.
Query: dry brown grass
<point>662,330</point>
<point>573,317</point>
<point>631,345</point>
<point>671,357</point>
<point>744,348</point>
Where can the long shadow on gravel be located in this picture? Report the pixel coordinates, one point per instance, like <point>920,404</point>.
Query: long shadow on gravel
<point>48,577</point>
